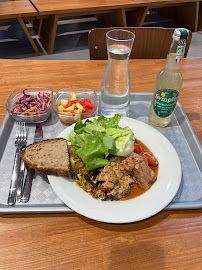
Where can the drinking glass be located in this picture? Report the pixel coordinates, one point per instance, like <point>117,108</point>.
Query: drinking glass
<point>115,87</point>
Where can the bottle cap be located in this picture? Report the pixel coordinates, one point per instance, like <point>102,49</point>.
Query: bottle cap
<point>184,33</point>
<point>180,33</point>
<point>176,34</point>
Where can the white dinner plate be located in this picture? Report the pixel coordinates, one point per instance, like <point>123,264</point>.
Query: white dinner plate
<point>144,206</point>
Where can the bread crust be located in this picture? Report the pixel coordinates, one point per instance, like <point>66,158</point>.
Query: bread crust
<point>44,170</point>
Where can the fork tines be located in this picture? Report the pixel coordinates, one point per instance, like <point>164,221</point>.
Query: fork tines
<point>21,131</point>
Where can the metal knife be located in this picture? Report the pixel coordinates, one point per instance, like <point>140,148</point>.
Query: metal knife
<point>20,180</point>
<point>30,174</point>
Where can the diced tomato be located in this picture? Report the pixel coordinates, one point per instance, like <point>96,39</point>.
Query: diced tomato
<point>81,101</point>
<point>137,148</point>
<point>71,102</point>
<point>88,110</point>
<point>88,99</point>
<point>88,105</point>
<point>152,161</point>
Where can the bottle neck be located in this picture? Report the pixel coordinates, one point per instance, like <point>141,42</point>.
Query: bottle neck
<point>171,61</point>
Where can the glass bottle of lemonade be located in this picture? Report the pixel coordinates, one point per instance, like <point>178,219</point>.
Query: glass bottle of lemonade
<point>169,82</point>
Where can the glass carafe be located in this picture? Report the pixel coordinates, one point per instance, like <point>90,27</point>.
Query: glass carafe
<point>115,87</point>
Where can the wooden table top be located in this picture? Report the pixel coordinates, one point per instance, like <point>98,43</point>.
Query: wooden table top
<point>46,7</point>
<point>168,240</point>
<point>19,8</point>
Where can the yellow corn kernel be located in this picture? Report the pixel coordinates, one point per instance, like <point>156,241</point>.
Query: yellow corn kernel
<point>79,106</point>
<point>64,102</point>
<point>73,96</point>
<point>60,108</point>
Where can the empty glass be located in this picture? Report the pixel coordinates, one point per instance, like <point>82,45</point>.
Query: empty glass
<point>115,88</point>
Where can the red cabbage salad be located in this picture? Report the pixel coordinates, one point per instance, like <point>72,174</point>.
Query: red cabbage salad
<point>28,103</point>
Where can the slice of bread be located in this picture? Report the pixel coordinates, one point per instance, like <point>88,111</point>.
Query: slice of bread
<point>48,157</point>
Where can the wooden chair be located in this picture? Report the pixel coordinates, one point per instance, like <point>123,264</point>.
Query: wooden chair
<point>149,43</point>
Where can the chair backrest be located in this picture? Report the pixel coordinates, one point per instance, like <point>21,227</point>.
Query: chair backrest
<point>149,43</point>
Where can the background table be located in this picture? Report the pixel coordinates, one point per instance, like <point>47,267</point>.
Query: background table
<point>169,240</point>
<point>21,11</point>
<point>111,13</point>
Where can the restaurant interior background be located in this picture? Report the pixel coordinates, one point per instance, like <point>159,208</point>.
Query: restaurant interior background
<point>72,38</point>
<point>65,240</point>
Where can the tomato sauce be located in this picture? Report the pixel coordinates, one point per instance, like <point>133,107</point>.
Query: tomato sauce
<point>135,189</point>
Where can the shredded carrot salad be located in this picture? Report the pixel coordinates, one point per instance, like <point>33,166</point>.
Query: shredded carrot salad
<point>28,103</point>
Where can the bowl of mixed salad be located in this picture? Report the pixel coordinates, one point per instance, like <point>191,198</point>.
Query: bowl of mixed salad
<point>73,103</point>
<point>30,104</point>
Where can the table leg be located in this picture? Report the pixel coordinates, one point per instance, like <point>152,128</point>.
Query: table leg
<point>29,36</point>
<point>115,18</point>
<point>136,17</point>
<point>47,32</point>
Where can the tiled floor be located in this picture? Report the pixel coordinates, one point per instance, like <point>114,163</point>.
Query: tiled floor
<point>195,49</point>
<point>71,41</point>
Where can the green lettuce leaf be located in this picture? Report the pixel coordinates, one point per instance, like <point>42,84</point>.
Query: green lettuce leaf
<point>78,125</point>
<point>93,154</point>
<point>95,140</point>
<point>124,140</point>
<point>109,122</point>
<point>79,140</point>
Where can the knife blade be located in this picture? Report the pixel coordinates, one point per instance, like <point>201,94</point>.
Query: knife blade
<point>30,174</point>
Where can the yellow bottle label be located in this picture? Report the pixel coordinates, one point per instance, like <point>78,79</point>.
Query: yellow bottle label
<point>165,101</point>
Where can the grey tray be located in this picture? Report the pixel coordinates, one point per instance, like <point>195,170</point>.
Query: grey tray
<point>44,200</point>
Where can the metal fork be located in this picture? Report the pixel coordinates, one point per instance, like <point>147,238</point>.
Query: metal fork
<point>20,142</point>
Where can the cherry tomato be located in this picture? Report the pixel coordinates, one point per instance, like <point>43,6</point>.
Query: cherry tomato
<point>88,105</point>
<point>137,148</point>
<point>152,161</point>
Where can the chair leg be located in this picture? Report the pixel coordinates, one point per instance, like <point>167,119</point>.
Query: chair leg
<point>29,36</point>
